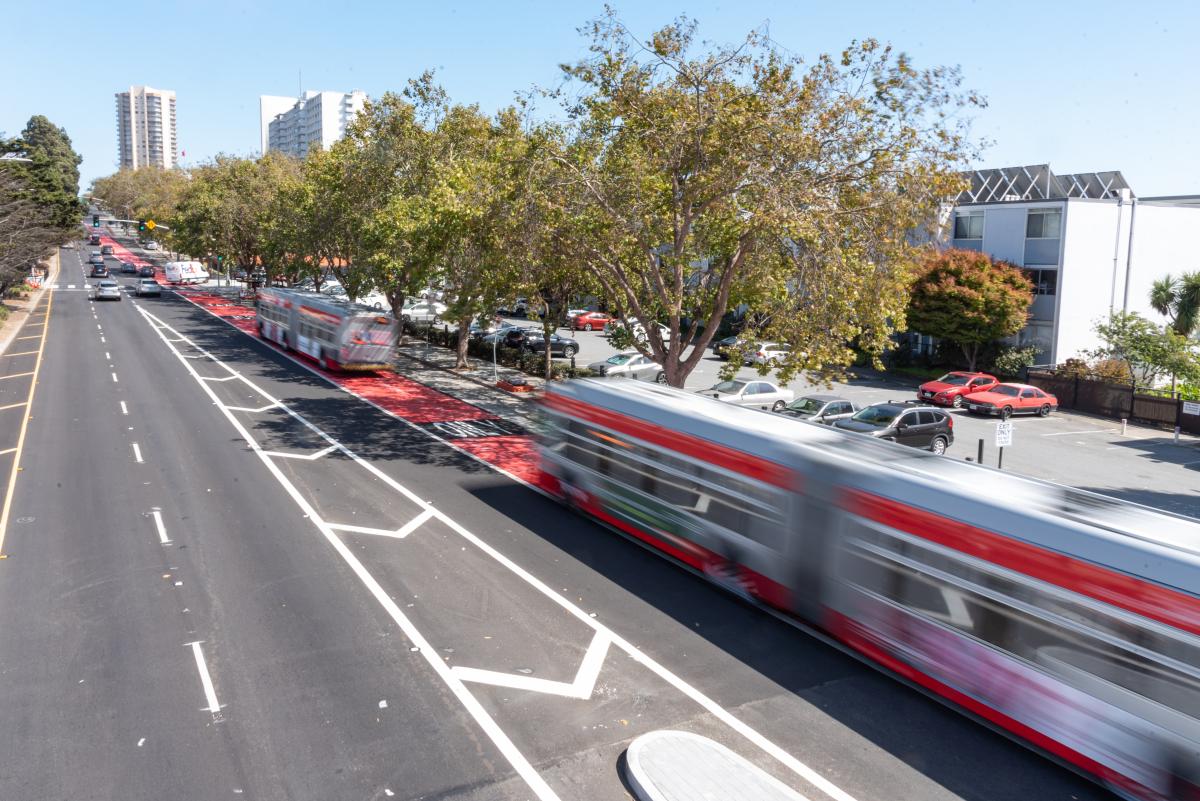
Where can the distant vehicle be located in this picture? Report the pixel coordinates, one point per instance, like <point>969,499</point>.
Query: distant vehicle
<point>573,313</point>
<point>416,310</point>
<point>145,271</point>
<point>106,250</point>
<point>630,364</point>
<point>108,289</point>
<point>94,239</point>
<point>559,345</point>
<point>769,353</point>
<point>99,271</point>
<point>337,334</point>
<point>637,329</point>
<point>724,348</point>
<point>185,272</point>
<point>128,268</point>
<point>151,245</point>
<point>1005,400</point>
<point>820,408</point>
<point>147,286</point>
<point>756,394</point>
<point>517,308</point>
<point>915,426</point>
<point>590,321</point>
<point>376,300</point>
<point>95,257</point>
<point>950,389</point>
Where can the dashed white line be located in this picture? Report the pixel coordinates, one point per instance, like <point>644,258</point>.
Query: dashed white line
<point>103,341</point>
<point>210,692</point>
<point>137,453</point>
<point>158,524</point>
<point>115,380</point>
<point>124,408</point>
<point>107,355</point>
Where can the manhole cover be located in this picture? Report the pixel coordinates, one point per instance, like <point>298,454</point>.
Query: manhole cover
<point>26,519</point>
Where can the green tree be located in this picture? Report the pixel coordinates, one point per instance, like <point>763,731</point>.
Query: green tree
<point>1178,299</point>
<point>968,298</point>
<point>735,175</point>
<point>1149,352</point>
<point>27,233</point>
<point>51,178</point>
<point>147,193</point>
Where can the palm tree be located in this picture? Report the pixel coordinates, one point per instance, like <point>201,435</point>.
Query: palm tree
<point>1179,300</point>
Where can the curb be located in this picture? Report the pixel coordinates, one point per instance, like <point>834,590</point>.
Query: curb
<point>527,395</point>
<point>18,318</point>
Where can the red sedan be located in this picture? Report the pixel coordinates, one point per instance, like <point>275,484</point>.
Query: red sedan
<point>591,321</point>
<point>950,389</point>
<point>1006,400</point>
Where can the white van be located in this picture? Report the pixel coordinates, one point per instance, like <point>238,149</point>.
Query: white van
<point>185,272</point>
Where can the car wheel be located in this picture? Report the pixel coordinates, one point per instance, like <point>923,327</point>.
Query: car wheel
<point>661,378</point>
<point>938,445</point>
<point>378,306</point>
<point>587,327</point>
<point>957,402</point>
<point>1006,413</point>
<point>777,405</point>
<point>569,351</point>
<point>1044,411</point>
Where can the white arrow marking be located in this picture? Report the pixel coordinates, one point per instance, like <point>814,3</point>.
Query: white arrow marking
<point>400,533</point>
<point>585,679</point>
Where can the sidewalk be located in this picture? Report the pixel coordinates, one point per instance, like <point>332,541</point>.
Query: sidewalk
<point>480,371</point>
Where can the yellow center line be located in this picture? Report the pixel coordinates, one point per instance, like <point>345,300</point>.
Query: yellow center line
<point>16,465</point>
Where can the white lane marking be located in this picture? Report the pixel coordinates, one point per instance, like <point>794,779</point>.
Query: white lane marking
<point>107,355</point>
<point>581,688</point>
<point>226,378</point>
<point>124,408</point>
<point>251,411</point>
<point>137,453</point>
<point>98,328</point>
<point>103,341</point>
<point>309,457</point>
<point>210,692</point>
<point>499,738</point>
<point>400,533</point>
<point>162,530</point>
<point>115,381</point>
<point>70,286</point>
<point>1086,431</point>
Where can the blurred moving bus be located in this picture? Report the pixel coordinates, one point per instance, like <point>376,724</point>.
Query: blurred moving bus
<point>335,333</point>
<point>1070,619</point>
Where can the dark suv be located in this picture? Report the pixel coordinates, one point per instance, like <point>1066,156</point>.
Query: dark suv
<point>915,426</point>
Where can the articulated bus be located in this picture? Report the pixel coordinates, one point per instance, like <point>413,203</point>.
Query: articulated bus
<point>1069,619</point>
<point>335,333</point>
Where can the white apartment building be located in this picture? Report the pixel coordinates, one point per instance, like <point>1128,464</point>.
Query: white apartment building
<point>1087,242</point>
<point>270,107</point>
<point>317,117</point>
<point>146,128</point>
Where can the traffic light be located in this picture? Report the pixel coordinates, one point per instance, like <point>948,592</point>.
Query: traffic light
<point>141,226</point>
<point>95,220</point>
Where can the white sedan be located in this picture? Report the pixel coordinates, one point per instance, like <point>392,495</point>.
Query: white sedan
<point>422,311</point>
<point>756,394</point>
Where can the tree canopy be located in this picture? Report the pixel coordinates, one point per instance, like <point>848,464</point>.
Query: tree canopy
<point>1178,299</point>
<point>968,298</point>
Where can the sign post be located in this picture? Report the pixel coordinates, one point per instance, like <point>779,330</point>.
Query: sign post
<point>1004,438</point>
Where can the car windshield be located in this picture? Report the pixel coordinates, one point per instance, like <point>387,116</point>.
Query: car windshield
<point>620,358</point>
<point>877,415</point>
<point>732,387</point>
<point>955,379</point>
<point>806,405</point>
<point>108,284</point>
<point>1004,389</point>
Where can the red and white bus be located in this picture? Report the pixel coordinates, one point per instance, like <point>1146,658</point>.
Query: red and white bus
<point>1070,619</point>
<point>335,333</point>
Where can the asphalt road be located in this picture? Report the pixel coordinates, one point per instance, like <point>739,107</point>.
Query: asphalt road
<point>282,593</point>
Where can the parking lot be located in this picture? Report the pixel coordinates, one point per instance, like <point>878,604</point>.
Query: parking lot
<point>1141,464</point>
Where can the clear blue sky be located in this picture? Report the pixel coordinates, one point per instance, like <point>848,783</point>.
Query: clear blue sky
<point>1082,85</point>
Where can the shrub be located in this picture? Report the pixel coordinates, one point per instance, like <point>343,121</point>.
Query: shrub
<point>1010,361</point>
<point>1114,370</point>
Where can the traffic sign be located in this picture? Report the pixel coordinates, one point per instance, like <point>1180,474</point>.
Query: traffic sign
<point>1004,434</point>
<point>150,224</point>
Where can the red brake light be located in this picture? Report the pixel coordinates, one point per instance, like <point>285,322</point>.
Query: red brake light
<point>950,420</point>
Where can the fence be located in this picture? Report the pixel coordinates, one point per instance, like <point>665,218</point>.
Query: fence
<point>1118,401</point>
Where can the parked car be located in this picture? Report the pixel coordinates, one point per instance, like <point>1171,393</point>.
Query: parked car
<point>1005,400</point>
<point>590,321</point>
<point>510,334</point>
<point>145,271</point>
<point>375,300</point>
<point>637,329</point>
<point>820,408</point>
<point>517,308</point>
<point>128,268</point>
<point>756,394</point>
<point>559,345</point>
<point>416,310</point>
<point>630,364</point>
<point>950,389</point>
<point>147,286</point>
<point>915,426</point>
<point>724,348</point>
<point>769,353</point>
<point>107,289</point>
<point>106,250</point>
<point>99,271</point>
<point>151,245</point>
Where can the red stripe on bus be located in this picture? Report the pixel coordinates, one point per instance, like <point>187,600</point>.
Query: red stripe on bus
<point>848,631</point>
<point>1149,600</point>
<point>694,447</point>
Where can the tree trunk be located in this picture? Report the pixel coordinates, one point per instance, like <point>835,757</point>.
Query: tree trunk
<point>971,352</point>
<point>460,355</point>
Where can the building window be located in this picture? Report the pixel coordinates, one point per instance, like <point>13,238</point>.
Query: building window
<point>968,226</point>
<point>1043,224</point>
<point>1045,282</point>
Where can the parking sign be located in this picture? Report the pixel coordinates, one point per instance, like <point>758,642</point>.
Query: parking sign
<point>1004,434</point>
